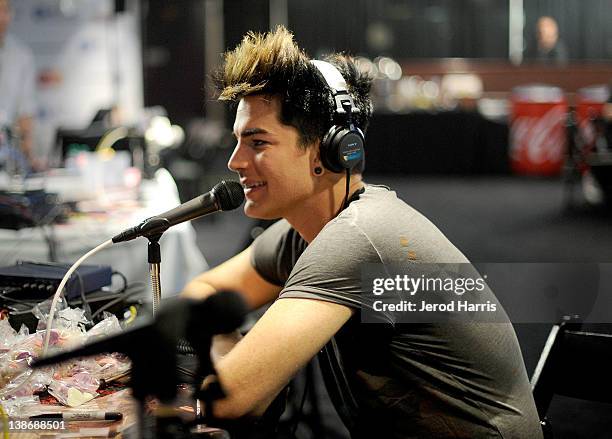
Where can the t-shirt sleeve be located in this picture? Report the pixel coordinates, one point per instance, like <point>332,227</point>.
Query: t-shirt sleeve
<point>330,268</point>
<point>272,253</point>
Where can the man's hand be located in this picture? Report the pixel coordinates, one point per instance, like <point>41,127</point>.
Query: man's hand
<point>222,344</point>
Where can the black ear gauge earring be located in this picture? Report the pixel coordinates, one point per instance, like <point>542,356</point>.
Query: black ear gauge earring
<point>318,170</point>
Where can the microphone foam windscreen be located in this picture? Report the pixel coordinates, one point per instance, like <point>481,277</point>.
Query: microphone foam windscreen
<point>220,313</point>
<point>229,194</point>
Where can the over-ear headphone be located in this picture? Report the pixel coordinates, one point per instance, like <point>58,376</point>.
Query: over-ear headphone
<point>342,146</point>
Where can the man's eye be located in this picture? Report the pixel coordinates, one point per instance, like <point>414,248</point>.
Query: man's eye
<point>257,142</point>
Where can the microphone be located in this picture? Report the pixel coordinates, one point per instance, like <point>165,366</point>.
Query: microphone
<point>226,195</point>
<point>195,320</point>
<point>219,313</point>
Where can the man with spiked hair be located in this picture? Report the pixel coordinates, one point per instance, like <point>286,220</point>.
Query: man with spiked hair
<point>391,381</point>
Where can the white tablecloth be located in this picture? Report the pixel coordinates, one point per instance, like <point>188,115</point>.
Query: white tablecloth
<point>181,258</point>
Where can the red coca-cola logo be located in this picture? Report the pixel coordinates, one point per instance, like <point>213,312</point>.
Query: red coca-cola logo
<point>539,140</point>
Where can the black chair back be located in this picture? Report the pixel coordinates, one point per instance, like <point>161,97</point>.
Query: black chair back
<point>573,363</point>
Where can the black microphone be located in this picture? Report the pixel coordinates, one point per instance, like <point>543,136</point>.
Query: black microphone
<point>219,313</point>
<point>226,195</point>
<point>194,320</point>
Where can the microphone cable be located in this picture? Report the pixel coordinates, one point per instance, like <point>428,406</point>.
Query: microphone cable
<point>124,294</point>
<point>60,289</point>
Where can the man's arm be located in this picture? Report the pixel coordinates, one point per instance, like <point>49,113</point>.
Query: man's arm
<point>25,127</point>
<point>26,106</point>
<point>288,335</point>
<point>236,274</point>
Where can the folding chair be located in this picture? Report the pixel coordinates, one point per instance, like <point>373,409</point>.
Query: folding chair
<point>573,363</point>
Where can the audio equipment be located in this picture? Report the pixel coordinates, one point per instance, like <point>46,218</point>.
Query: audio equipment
<point>38,281</point>
<point>343,145</point>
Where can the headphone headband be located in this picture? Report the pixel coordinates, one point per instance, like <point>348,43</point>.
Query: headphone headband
<point>336,83</point>
<point>332,76</point>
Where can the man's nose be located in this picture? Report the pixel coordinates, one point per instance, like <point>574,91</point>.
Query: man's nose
<point>238,160</point>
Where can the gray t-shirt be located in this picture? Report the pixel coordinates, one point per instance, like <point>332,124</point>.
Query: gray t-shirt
<point>459,380</point>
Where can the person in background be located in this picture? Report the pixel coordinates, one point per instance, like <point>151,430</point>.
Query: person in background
<point>549,48</point>
<point>17,88</point>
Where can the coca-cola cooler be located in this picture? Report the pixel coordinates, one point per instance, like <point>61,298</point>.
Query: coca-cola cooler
<point>537,129</point>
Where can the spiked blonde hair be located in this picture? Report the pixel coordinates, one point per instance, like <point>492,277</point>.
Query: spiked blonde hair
<point>273,64</point>
<point>258,59</point>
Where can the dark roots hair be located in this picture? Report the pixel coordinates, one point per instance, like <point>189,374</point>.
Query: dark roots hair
<point>272,64</point>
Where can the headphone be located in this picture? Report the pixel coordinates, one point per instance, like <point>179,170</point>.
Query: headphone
<point>342,147</point>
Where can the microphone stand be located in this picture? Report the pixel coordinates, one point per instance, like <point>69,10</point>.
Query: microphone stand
<point>154,257</point>
<point>223,196</point>
<point>155,228</point>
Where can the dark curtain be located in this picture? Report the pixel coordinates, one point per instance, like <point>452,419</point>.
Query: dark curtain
<point>585,26</point>
<point>415,29</point>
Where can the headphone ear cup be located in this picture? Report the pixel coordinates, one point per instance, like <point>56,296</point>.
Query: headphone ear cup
<point>329,149</point>
<point>348,148</point>
<point>342,148</point>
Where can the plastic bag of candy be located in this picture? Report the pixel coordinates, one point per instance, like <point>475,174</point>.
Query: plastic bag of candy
<point>75,390</point>
<point>105,328</point>
<point>8,335</point>
<point>18,406</point>
<point>72,382</point>
<point>65,317</point>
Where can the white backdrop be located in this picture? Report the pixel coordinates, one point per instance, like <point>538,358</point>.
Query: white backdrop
<point>87,58</point>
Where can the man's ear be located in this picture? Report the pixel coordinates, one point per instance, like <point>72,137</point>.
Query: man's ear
<point>315,154</point>
<point>316,165</point>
